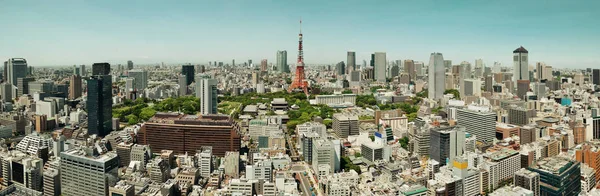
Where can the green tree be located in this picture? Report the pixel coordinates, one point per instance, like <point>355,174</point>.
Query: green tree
<point>347,91</point>
<point>147,113</point>
<point>132,119</point>
<point>327,123</point>
<point>453,92</point>
<point>404,142</point>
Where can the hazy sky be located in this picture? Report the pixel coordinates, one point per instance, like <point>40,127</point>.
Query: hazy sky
<point>558,32</point>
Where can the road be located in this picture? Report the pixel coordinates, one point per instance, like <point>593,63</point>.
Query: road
<point>304,184</point>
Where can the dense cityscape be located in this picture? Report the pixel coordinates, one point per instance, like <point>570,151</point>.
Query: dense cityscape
<point>374,127</point>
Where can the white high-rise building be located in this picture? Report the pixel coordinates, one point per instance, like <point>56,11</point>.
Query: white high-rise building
<point>206,90</point>
<point>204,158</point>
<point>84,174</point>
<point>141,78</point>
<point>380,66</point>
<point>437,76</point>
<point>521,65</point>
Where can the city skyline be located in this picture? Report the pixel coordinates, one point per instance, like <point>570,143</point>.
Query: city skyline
<point>49,34</point>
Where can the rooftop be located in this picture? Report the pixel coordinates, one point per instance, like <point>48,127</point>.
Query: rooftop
<point>521,50</point>
<point>555,165</point>
<point>501,154</point>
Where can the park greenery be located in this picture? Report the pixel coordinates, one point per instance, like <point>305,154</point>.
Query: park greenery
<point>143,109</point>
<point>454,92</point>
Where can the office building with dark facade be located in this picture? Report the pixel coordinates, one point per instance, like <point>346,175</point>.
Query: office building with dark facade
<point>100,69</point>
<point>188,72</point>
<point>188,133</point>
<point>99,104</point>
<point>558,176</point>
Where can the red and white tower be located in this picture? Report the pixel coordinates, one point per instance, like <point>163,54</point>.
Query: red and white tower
<point>299,82</point>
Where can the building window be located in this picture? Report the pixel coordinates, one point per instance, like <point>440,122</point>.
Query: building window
<point>516,58</point>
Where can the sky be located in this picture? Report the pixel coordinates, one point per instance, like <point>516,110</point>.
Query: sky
<point>561,33</point>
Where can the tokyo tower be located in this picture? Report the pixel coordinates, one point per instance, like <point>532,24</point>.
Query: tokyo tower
<point>299,82</point>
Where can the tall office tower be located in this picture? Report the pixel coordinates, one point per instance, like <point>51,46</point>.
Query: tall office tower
<point>446,143</point>
<point>489,82</point>
<point>345,125</point>
<point>206,90</point>
<point>340,68</point>
<point>249,62</point>
<point>16,68</point>
<point>558,176</point>
<point>75,87</point>
<point>83,71</point>
<point>595,122</point>
<point>232,62</point>
<point>323,154</point>
<point>395,71</point>
<point>141,79</point>
<point>448,64</point>
<point>23,86</point>
<point>437,76</point>
<point>183,87</point>
<point>93,177</point>
<point>5,72</point>
<point>539,89</point>
<point>528,180</point>
<point>521,66</point>
<point>351,62</point>
<point>100,69</point>
<point>129,65</point>
<point>596,76</point>
<point>282,65</point>
<point>497,67</point>
<point>479,121</point>
<point>99,104</point>
<point>380,64</point>
<point>188,72</point>
<point>263,65</point>
<point>409,67</point>
<point>188,133</point>
<point>76,70</point>
<point>6,92</point>
<point>479,67</point>
<point>522,88</point>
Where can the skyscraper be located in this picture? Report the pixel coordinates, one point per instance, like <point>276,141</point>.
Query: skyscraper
<point>395,71</point>
<point>99,104</point>
<point>380,66</point>
<point>263,65</point>
<point>521,66</point>
<point>188,72</point>
<point>6,92</point>
<point>479,121</point>
<point>16,68</point>
<point>206,90</point>
<point>437,76</point>
<point>129,65</point>
<point>340,68</point>
<point>446,143</point>
<point>83,71</point>
<point>282,65</point>
<point>74,87</point>
<point>350,62</point>
<point>141,79</point>
<point>23,85</point>
<point>183,87</point>
<point>596,76</point>
<point>409,68</point>
<point>100,69</point>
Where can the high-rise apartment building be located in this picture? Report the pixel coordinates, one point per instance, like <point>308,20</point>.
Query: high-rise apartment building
<point>282,65</point>
<point>380,63</point>
<point>15,68</point>
<point>263,65</point>
<point>323,154</point>
<point>437,76</point>
<point>479,121</point>
<point>75,87</point>
<point>188,133</point>
<point>521,65</point>
<point>502,165</point>
<point>100,69</point>
<point>188,72</point>
<point>204,157</point>
<point>350,62</point>
<point>183,87</point>
<point>99,104</point>
<point>85,173</point>
<point>206,90</point>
